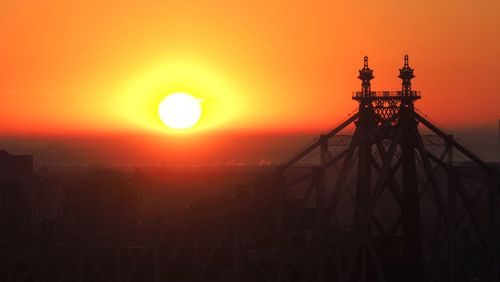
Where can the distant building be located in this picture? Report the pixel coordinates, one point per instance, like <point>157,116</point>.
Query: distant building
<point>16,173</point>
<point>102,201</point>
<point>48,224</point>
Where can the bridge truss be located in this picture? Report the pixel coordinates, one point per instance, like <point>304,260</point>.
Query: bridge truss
<point>387,203</point>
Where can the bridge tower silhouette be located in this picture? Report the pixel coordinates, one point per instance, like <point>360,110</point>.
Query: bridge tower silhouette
<point>387,203</point>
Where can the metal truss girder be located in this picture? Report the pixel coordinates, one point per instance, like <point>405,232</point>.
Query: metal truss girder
<point>340,140</point>
<point>430,173</point>
<point>451,141</point>
<point>347,163</point>
<point>318,142</point>
<point>432,140</point>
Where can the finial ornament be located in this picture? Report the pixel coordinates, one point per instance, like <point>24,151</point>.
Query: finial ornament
<point>365,75</point>
<point>406,74</point>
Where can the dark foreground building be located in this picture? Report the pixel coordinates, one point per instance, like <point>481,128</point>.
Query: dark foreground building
<point>101,201</point>
<point>16,173</point>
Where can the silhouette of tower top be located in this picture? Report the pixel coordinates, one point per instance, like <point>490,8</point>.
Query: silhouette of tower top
<point>366,75</point>
<point>385,104</point>
<point>406,74</point>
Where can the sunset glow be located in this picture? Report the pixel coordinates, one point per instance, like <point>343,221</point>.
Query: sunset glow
<point>92,68</point>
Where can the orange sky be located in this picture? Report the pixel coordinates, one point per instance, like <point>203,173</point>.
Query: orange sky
<point>72,67</point>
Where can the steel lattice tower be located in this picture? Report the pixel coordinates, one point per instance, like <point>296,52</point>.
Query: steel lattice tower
<point>386,162</point>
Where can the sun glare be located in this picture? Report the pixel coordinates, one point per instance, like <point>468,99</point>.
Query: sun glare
<point>180,111</point>
<point>211,93</point>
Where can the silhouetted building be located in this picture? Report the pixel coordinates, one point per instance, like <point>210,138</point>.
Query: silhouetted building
<point>101,201</point>
<point>48,224</point>
<point>16,172</point>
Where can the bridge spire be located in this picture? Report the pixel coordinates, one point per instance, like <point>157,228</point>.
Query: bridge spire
<point>366,75</point>
<point>406,74</point>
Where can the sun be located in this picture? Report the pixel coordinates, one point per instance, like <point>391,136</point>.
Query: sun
<point>180,110</point>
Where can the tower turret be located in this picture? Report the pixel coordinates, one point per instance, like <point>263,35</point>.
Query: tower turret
<point>406,74</point>
<point>365,75</point>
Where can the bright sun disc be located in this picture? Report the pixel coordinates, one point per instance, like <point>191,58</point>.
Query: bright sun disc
<point>180,111</point>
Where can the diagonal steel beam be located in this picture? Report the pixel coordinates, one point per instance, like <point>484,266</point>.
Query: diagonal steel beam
<point>318,142</point>
<point>449,139</point>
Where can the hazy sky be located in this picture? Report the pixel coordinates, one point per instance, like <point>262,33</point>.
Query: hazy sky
<point>85,67</point>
